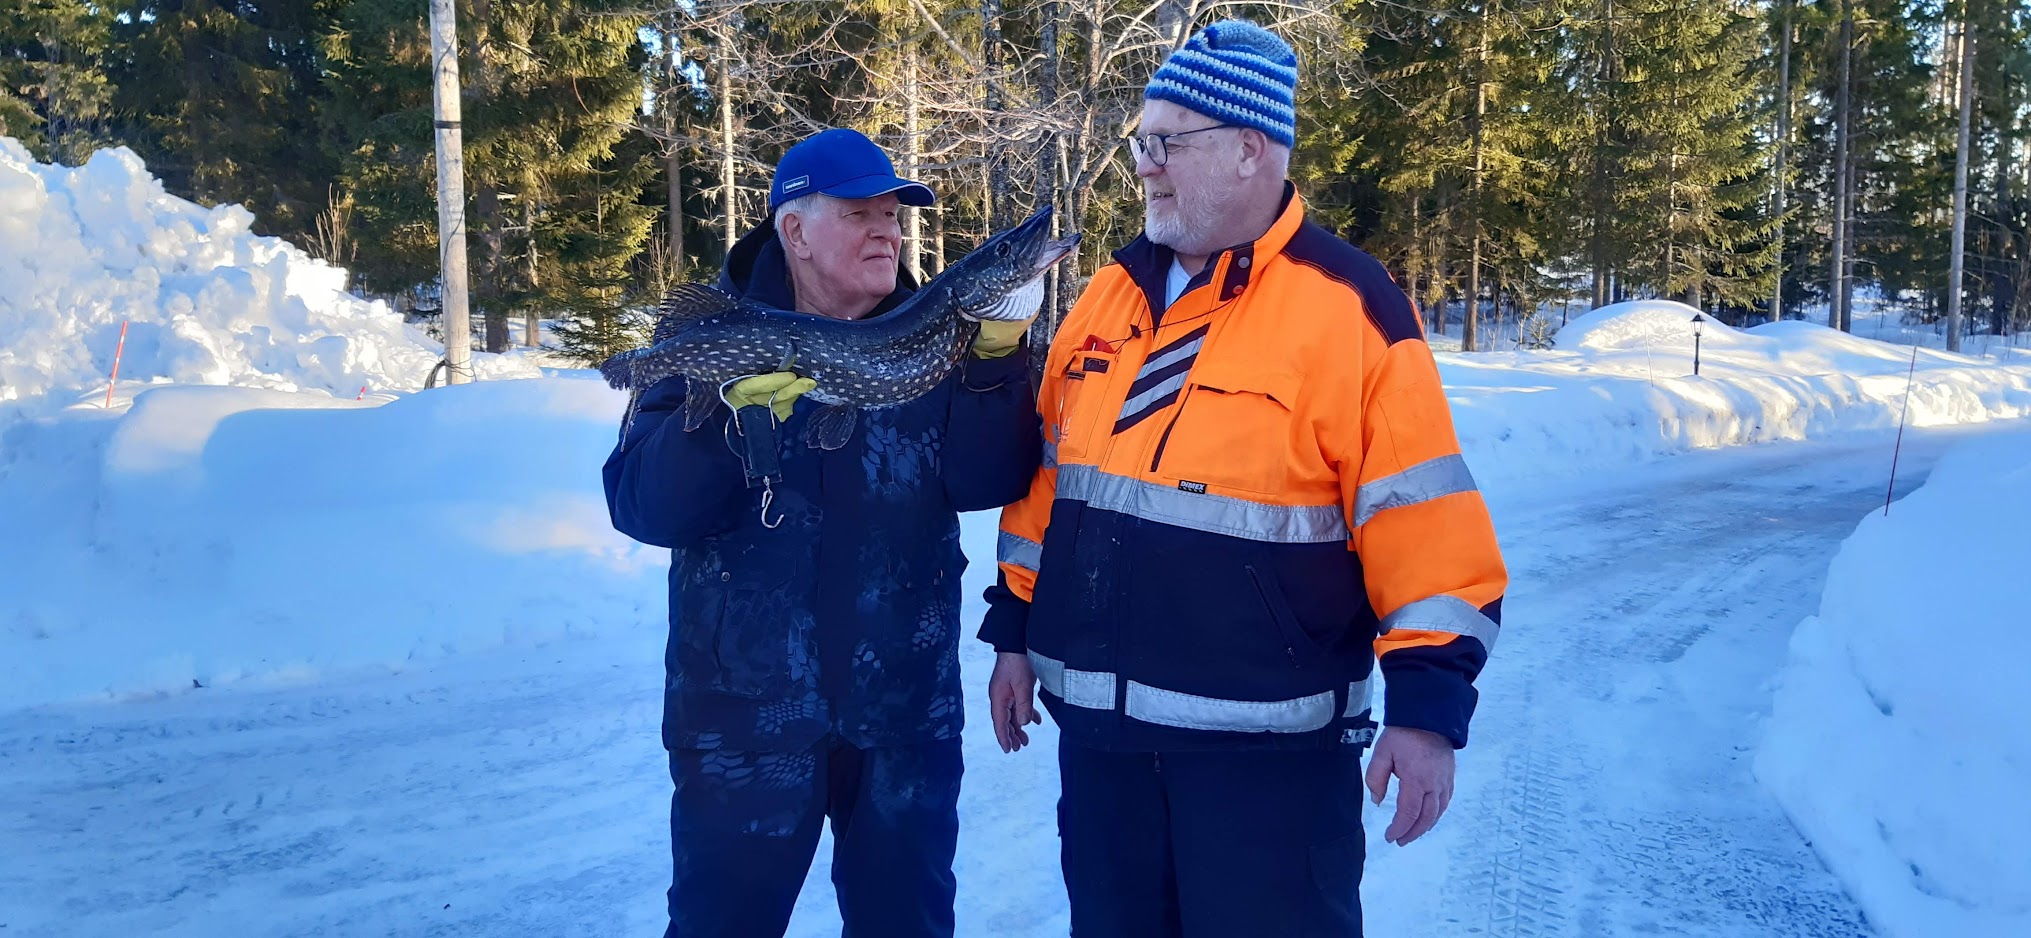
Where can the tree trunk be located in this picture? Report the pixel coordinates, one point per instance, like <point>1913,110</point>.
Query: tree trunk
<point>1469,340</point>
<point>493,265</point>
<point>1837,279</point>
<point>913,162</point>
<point>1494,342</point>
<point>728,194</point>
<point>1960,179</point>
<point>532,321</point>
<point>673,154</point>
<point>937,253</point>
<point>1783,155</point>
<point>1000,187</point>
<point>1473,298</point>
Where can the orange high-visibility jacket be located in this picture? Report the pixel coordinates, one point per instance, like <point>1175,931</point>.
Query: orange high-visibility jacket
<point>1246,500</point>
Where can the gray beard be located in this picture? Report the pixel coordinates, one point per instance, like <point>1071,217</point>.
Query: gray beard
<point>1192,230</point>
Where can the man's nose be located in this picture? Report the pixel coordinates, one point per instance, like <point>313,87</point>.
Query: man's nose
<point>1144,166</point>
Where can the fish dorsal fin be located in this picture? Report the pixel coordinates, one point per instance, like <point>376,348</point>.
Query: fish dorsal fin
<point>689,302</point>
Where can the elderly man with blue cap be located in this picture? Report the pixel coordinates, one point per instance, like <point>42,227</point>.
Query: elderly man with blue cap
<point>1252,501</point>
<point>812,670</point>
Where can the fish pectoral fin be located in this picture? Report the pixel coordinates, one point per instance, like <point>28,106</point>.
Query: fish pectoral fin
<point>789,358</point>
<point>619,371</point>
<point>832,425</point>
<point>687,302</point>
<point>700,400</point>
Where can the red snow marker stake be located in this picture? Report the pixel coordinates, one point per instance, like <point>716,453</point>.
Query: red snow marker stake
<point>362,395</point>
<point>118,350</point>
<point>1909,379</point>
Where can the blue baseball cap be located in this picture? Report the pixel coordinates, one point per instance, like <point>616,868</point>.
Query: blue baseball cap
<point>845,165</point>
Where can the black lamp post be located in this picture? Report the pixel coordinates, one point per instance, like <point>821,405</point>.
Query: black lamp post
<point>1697,321</point>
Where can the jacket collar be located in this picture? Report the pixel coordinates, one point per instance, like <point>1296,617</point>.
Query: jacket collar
<point>1148,264</point>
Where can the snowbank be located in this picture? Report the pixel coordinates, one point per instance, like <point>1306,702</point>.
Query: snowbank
<point>207,301</point>
<point>1898,740</point>
<point>1640,324</point>
<point>215,534</point>
<point>1619,389</point>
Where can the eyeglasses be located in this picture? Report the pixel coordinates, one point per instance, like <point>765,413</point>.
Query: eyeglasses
<point>1157,146</point>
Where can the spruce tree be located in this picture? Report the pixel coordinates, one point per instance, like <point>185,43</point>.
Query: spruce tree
<point>1694,171</point>
<point>54,93</point>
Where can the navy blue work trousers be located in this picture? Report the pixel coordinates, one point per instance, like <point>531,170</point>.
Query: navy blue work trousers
<point>744,827</point>
<point>1212,844</point>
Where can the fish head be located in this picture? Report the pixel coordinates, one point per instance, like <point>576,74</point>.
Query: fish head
<point>1003,279</point>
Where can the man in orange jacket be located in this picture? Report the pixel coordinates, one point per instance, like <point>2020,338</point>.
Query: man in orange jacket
<point>1251,494</point>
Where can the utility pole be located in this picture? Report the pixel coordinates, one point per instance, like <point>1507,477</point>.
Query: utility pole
<point>1960,178</point>
<point>450,193</point>
<point>1783,155</point>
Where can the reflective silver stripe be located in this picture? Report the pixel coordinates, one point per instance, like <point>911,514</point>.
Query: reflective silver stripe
<point>1138,403</point>
<point>1050,454</point>
<point>1357,698</point>
<point>1020,551</point>
<point>1093,690</point>
<point>1217,514</point>
<point>1436,478</point>
<point>1158,363</point>
<point>1191,711</point>
<point>1444,614</point>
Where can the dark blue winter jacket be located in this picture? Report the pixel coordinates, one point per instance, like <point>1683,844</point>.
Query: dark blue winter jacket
<point>845,618</point>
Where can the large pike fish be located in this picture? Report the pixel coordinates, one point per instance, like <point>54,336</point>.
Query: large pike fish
<point>712,338</point>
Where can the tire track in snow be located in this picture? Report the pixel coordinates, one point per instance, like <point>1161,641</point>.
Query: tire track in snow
<point>1607,791</point>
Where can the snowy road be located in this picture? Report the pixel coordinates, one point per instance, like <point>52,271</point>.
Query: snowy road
<point>1607,792</point>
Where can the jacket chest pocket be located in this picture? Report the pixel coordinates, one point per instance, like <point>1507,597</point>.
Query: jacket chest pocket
<point>1234,430</point>
<point>1082,397</point>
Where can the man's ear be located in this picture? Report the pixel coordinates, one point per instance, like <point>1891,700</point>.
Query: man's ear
<point>1254,149</point>
<point>792,235</point>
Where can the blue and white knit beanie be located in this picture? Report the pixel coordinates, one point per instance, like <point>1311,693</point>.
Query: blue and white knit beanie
<point>1237,73</point>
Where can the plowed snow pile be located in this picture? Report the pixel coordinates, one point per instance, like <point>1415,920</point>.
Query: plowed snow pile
<point>206,300</point>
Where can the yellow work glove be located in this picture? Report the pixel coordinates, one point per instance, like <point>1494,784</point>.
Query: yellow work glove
<point>777,390</point>
<point>998,338</point>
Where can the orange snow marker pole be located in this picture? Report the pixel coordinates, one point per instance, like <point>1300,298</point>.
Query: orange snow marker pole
<point>1909,380</point>
<point>118,350</point>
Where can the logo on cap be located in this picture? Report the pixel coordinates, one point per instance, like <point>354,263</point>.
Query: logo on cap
<point>796,184</point>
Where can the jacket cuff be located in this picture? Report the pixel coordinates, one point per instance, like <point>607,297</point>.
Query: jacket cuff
<point>983,374</point>
<point>1007,623</point>
<point>1423,698</point>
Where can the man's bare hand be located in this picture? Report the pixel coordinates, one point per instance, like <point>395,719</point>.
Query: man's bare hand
<point>1011,699</point>
<point>1422,762</point>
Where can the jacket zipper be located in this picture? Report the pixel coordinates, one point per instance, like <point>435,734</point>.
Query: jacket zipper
<point>1164,440</point>
<point>1290,648</point>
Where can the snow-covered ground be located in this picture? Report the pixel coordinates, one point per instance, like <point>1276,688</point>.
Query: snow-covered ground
<point>1899,741</point>
<point>522,791</point>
